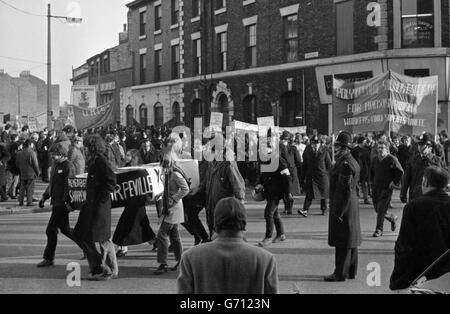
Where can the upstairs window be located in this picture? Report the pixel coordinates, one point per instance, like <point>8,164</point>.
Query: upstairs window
<point>417,23</point>
<point>175,62</point>
<point>290,25</point>
<point>142,23</point>
<point>197,55</point>
<point>175,11</point>
<point>220,4</point>
<point>250,51</point>
<point>158,16</point>
<point>223,51</point>
<point>196,8</point>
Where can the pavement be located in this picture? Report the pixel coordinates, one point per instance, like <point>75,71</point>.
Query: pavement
<point>302,260</point>
<point>11,206</point>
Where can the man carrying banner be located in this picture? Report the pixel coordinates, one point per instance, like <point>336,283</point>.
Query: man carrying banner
<point>94,221</point>
<point>386,173</point>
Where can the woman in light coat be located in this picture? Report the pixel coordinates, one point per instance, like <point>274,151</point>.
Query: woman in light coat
<point>175,189</point>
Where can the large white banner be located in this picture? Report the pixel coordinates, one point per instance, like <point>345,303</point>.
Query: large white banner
<point>84,96</point>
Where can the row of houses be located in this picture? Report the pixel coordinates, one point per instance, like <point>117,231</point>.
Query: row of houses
<point>181,59</point>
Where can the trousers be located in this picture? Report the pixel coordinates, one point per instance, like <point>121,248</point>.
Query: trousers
<point>381,200</point>
<point>272,217</point>
<point>59,220</point>
<point>168,231</point>
<point>346,263</point>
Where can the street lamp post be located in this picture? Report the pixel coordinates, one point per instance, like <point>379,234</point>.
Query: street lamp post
<point>71,20</point>
<point>49,70</point>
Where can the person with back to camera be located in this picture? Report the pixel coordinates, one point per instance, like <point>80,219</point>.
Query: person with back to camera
<point>424,233</point>
<point>228,265</point>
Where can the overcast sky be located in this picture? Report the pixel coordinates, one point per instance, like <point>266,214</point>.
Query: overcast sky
<point>25,37</point>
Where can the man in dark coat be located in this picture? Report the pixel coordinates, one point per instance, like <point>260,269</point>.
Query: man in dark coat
<point>445,142</point>
<point>4,158</point>
<point>386,173</point>
<point>362,156</point>
<point>404,150</point>
<point>425,232</point>
<point>26,161</point>
<point>315,175</point>
<point>274,186</point>
<point>94,221</point>
<point>412,180</point>
<point>13,148</point>
<point>344,225</point>
<point>222,180</point>
<point>290,153</point>
<point>58,192</point>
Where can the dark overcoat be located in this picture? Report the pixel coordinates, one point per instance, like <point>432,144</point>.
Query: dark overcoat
<point>133,227</point>
<point>222,180</point>
<point>292,156</point>
<point>344,204</point>
<point>275,184</point>
<point>412,180</point>
<point>315,173</point>
<point>362,156</point>
<point>94,221</point>
<point>424,237</point>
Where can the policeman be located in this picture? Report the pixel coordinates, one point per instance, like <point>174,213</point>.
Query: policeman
<point>344,225</point>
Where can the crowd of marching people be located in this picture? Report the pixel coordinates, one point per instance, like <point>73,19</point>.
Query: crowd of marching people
<point>336,172</point>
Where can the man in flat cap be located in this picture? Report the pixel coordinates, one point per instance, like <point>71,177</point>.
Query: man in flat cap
<point>228,265</point>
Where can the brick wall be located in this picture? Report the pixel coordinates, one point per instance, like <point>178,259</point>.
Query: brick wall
<point>120,57</point>
<point>445,9</point>
<point>364,34</point>
<point>268,88</point>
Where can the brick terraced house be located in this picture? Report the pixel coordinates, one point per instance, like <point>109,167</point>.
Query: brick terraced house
<point>254,58</point>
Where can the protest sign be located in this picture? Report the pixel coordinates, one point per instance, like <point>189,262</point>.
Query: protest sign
<point>266,121</point>
<point>216,121</point>
<point>294,130</point>
<point>134,184</point>
<point>388,102</point>
<point>238,125</point>
<point>32,124</point>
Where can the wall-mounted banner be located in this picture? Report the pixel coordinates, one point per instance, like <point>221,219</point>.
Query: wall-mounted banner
<point>135,184</point>
<point>84,96</point>
<point>93,118</point>
<point>388,102</point>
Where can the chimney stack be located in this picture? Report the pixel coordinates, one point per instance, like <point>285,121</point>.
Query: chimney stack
<point>123,36</point>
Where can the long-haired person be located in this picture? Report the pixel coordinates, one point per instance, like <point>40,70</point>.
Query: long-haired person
<point>133,227</point>
<point>175,188</point>
<point>94,221</point>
